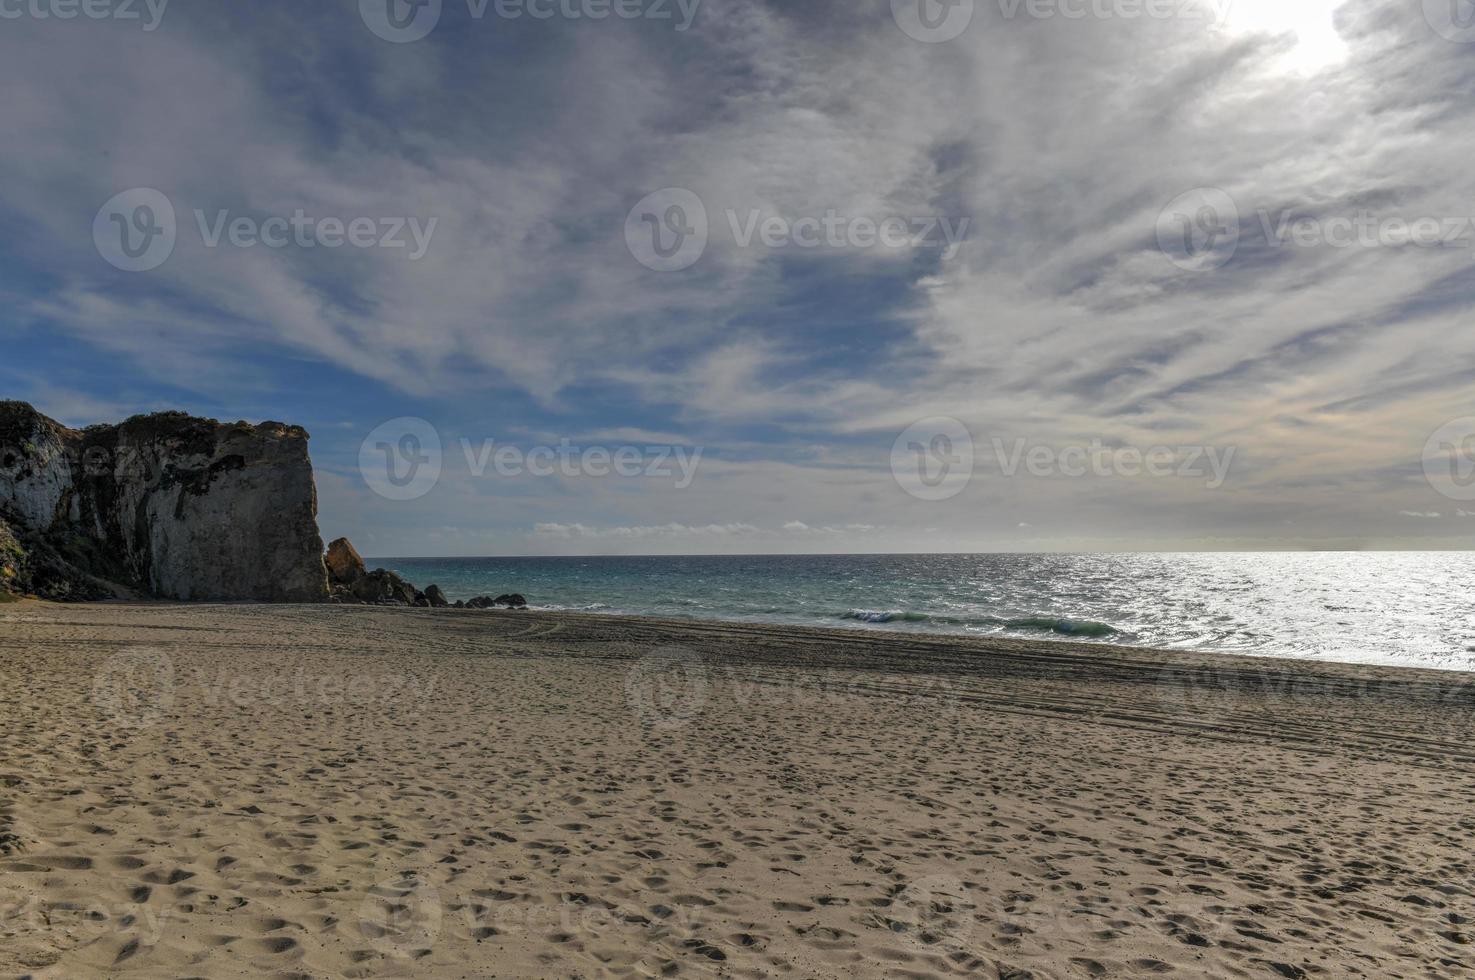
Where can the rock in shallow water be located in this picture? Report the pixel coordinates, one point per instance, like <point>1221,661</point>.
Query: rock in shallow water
<point>510,600</point>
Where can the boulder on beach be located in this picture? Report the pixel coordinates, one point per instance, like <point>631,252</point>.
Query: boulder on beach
<point>383,588</point>
<point>436,597</point>
<point>345,567</point>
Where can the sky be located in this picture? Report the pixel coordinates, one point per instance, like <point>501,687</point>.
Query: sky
<point>720,276</point>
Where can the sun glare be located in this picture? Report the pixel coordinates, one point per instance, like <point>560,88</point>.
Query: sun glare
<point>1318,44</point>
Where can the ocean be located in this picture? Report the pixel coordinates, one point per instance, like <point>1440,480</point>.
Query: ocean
<point>1401,608</point>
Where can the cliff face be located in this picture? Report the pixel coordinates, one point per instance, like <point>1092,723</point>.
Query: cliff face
<point>168,505</point>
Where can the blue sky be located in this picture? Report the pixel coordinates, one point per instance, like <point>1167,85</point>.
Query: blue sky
<point>1055,147</point>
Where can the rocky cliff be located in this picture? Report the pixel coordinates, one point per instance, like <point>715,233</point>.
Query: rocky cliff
<point>164,505</point>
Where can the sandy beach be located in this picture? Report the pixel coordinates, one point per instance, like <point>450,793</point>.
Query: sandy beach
<point>316,791</point>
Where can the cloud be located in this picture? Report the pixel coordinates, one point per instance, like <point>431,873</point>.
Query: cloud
<point>660,531</point>
<point>799,527</point>
<point>1060,320</point>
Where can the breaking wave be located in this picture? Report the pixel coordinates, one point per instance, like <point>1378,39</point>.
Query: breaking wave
<point>1029,624</point>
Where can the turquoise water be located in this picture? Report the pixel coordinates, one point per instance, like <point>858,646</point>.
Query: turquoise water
<point>1407,608</point>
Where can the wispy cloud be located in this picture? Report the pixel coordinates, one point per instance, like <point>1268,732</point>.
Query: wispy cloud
<point>1059,320</point>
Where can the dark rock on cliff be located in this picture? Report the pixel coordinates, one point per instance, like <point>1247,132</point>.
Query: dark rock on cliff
<point>165,505</point>
<point>12,558</point>
<point>30,566</point>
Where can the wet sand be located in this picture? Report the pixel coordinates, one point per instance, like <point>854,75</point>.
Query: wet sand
<point>227,791</point>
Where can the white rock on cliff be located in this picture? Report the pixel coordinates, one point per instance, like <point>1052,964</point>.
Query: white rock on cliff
<point>174,506</point>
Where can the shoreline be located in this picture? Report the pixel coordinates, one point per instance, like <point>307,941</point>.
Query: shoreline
<point>981,643</point>
<point>232,790</point>
<point>1299,607</point>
